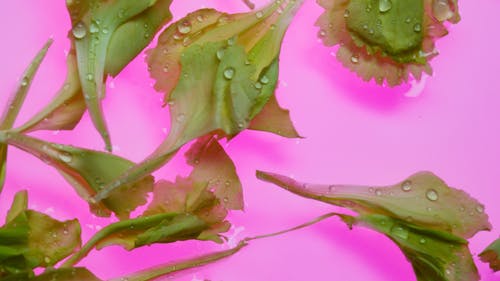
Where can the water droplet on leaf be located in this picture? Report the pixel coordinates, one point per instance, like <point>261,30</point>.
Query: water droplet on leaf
<point>432,195</point>
<point>79,31</point>
<point>417,27</point>
<point>184,27</point>
<point>406,186</point>
<point>384,5</point>
<point>229,73</point>
<point>65,157</point>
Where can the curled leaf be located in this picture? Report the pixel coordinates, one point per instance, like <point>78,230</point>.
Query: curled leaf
<point>88,172</point>
<point>217,71</point>
<point>31,239</point>
<point>386,40</point>
<point>491,255</point>
<point>426,218</point>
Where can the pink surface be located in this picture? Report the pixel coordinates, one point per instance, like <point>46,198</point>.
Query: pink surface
<point>355,132</point>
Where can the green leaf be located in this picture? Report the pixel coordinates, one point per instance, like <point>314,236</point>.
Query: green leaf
<point>107,36</point>
<point>88,172</point>
<point>491,255</point>
<point>189,208</point>
<point>66,108</point>
<point>386,39</point>
<point>31,239</point>
<point>426,218</point>
<point>67,274</point>
<point>19,205</point>
<point>217,71</point>
<point>15,103</point>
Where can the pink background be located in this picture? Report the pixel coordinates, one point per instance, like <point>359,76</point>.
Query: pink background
<point>355,132</point>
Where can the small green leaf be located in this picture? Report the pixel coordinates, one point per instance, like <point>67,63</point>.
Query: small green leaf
<point>67,274</point>
<point>426,218</point>
<point>386,39</point>
<point>19,205</point>
<point>88,172</point>
<point>31,239</point>
<point>491,255</point>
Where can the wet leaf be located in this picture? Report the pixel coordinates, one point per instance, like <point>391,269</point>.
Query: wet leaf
<point>491,255</point>
<point>189,208</point>
<point>105,36</point>
<point>31,239</point>
<point>66,108</point>
<point>88,172</point>
<point>386,40</point>
<point>15,103</point>
<point>426,218</point>
<point>217,71</point>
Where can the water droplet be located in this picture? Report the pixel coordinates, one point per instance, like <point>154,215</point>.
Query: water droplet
<point>199,18</point>
<point>231,41</point>
<point>347,13</point>
<point>400,232</point>
<point>322,33</point>
<point>432,195</point>
<point>264,80</point>
<point>384,5</point>
<point>417,27</point>
<point>442,10</point>
<point>422,241</point>
<point>79,31</point>
<point>181,117</point>
<point>407,20</point>
<point>258,85</point>
<point>176,36</point>
<point>378,192</point>
<point>371,189</point>
<point>479,209</point>
<point>406,186</point>
<point>46,260</point>
<point>90,76</point>
<point>184,27</point>
<point>447,271</point>
<point>229,73</point>
<point>65,157</point>
<point>220,53</point>
<point>105,30</point>
<point>165,68</point>
<point>24,82</point>
<point>354,59</point>
<point>225,199</point>
<point>94,28</point>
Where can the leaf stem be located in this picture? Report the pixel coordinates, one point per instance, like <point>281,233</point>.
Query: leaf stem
<point>176,266</point>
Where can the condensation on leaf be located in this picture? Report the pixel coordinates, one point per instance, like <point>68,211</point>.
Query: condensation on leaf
<point>389,42</point>
<point>426,218</point>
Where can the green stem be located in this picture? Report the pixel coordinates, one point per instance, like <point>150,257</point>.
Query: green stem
<point>110,229</point>
<point>176,266</point>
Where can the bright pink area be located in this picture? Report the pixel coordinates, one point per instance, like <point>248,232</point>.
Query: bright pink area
<point>355,132</point>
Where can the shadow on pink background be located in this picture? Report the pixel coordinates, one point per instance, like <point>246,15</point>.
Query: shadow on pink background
<point>355,132</point>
